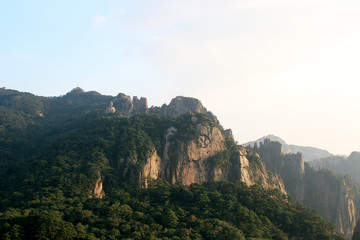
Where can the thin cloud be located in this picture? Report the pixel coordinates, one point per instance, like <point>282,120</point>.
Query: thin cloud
<point>99,20</point>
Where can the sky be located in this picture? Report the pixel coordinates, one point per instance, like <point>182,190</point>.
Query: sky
<point>285,67</point>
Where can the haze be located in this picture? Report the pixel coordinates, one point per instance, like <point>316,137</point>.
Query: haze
<point>289,68</point>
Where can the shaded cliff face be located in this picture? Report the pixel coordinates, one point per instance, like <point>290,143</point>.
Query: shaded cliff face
<point>179,142</point>
<point>356,235</point>
<point>341,165</point>
<point>309,153</point>
<point>334,198</point>
<point>129,107</point>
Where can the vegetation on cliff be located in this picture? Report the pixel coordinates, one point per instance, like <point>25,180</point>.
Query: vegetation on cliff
<point>54,151</point>
<point>214,210</point>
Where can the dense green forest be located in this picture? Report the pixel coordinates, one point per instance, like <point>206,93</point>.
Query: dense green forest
<point>214,210</point>
<point>53,150</point>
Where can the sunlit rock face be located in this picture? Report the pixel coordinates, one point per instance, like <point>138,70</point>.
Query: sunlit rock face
<point>110,108</point>
<point>98,191</point>
<point>193,162</point>
<point>178,106</point>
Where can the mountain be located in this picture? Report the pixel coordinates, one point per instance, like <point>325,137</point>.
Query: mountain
<point>341,165</point>
<point>335,198</point>
<point>89,166</point>
<point>308,153</point>
<point>182,142</point>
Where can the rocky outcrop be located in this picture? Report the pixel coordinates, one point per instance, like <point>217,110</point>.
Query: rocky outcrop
<point>179,106</point>
<point>203,159</point>
<point>129,107</point>
<point>152,167</point>
<point>186,163</point>
<point>110,108</point>
<point>334,198</point>
<point>341,165</point>
<point>191,163</point>
<point>229,134</point>
<point>140,105</point>
<point>98,191</point>
<point>253,171</point>
<point>308,153</point>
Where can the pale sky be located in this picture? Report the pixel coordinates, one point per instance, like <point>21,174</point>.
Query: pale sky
<point>288,68</point>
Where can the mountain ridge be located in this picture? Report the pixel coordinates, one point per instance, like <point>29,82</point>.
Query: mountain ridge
<point>60,150</point>
<point>320,190</point>
<point>309,153</point>
<point>340,165</point>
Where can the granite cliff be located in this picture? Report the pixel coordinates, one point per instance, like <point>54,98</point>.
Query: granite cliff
<point>86,145</point>
<point>180,105</point>
<point>335,198</point>
<point>308,153</point>
<point>341,165</point>
<point>211,156</point>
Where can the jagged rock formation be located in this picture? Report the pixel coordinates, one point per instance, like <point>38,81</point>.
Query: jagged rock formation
<point>110,108</point>
<point>129,107</point>
<point>191,163</point>
<point>140,105</point>
<point>199,161</point>
<point>178,106</point>
<point>84,153</point>
<point>333,197</point>
<point>98,191</point>
<point>228,134</point>
<point>308,153</point>
<point>258,174</point>
<point>341,165</point>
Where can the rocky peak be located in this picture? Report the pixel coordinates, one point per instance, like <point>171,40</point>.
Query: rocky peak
<point>129,107</point>
<point>229,134</point>
<point>323,190</point>
<point>76,91</point>
<point>273,154</point>
<point>180,105</point>
<point>203,159</point>
<point>140,105</point>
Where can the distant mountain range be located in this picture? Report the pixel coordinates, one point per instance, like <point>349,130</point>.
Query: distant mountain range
<point>319,158</point>
<point>309,153</point>
<point>340,165</point>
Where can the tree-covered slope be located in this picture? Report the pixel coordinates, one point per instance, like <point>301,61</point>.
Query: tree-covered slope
<point>341,165</point>
<point>70,171</point>
<point>219,210</point>
<point>334,197</point>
